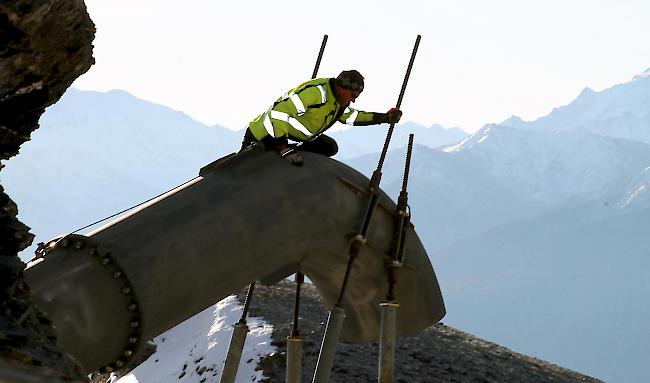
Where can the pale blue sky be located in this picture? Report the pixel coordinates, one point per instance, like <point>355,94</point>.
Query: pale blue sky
<point>478,62</point>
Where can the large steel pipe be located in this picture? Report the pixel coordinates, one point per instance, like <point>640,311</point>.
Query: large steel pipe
<point>245,217</point>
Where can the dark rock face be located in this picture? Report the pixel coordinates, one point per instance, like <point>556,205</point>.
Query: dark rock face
<point>438,354</point>
<point>44,46</point>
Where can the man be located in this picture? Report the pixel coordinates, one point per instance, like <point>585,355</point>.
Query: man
<point>305,112</point>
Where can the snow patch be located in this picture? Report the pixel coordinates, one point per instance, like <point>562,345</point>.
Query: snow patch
<point>457,147</point>
<point>645,74</point>
<point>634,194</point>
<point>196,349</point>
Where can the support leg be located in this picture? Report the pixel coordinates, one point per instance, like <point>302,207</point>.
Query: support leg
<point>294,341</point>
<point>234,352</point>
<point>328,347</point>
<point>294,359</point>
<point>387,342</point>
<point>237,342</point>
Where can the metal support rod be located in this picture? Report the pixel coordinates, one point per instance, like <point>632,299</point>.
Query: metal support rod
<point>300,278</point>
<point>294,342</point>
<point>399,104</point>
<point>387,339</point>
<point>337,313</point>
<point>407,163</point>
<point>239,332</point>
<point>315,72</point>
<point>374,183</point>
<point>320,56</point>
<point>294,359</point>
<point>328,347</point>
<point>392,280</point>
<point>355,248</point>
<point>402,205</point>
<point>402,223</point>
<point>247,302</point>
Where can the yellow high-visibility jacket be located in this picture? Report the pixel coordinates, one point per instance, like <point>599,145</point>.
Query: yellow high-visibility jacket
<point>307,111</point>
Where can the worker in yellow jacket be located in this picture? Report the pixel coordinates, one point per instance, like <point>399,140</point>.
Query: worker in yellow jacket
<point>305,112</point>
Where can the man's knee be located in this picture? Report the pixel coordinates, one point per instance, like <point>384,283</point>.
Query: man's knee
<point>332,146</point>
<point>248,140</point>
<point>323,144</point>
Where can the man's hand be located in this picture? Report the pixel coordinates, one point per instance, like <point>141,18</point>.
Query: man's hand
<point>290,155</point>
<point>393,115</point>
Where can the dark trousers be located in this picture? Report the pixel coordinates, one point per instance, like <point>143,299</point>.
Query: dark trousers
<point>322,144</point>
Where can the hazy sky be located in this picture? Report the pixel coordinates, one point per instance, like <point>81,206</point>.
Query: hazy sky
<point>478,62</point>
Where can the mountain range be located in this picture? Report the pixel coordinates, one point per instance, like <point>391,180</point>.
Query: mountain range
<point>537,230</point>
<point>540,230</point>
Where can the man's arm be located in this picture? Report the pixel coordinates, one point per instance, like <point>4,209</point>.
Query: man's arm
<point>361,118</point>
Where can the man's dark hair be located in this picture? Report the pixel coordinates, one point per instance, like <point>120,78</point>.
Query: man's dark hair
<point>350,79</point>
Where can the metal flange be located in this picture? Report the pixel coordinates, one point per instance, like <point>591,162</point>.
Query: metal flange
<point>85,246</point>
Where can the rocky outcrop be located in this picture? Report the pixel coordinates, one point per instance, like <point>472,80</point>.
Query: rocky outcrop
<point>437,354</point>
<point>44,46</point>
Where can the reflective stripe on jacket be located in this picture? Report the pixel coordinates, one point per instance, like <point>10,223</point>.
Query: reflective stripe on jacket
<point>306,111</point>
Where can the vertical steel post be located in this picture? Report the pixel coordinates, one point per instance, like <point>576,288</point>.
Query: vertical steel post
<point>360,238</point>
<point>294,359</point>
<point>294,341</point>
<point>237,342</point>
<point>328,347</point>
<point>234,352</point>
<point>387,339</point>
<point>333,330</point>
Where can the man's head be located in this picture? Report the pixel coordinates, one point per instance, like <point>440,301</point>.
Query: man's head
<point>349,84</point>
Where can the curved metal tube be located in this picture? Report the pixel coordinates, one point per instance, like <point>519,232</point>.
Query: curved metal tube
<point>247,216</point>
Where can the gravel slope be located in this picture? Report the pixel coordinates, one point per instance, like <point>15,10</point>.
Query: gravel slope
<point>438,354</point>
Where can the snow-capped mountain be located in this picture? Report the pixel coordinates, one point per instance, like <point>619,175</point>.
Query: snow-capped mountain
<point>554,166</point>
<point>621,111</point>
<point>501,174</point>
<point>450,196</point>
<point>638,191</point>
<point>361,140</point>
